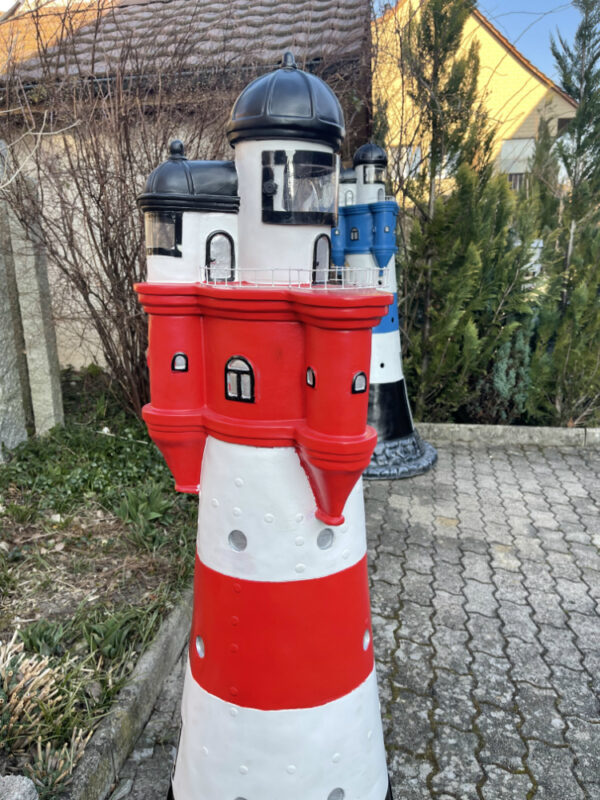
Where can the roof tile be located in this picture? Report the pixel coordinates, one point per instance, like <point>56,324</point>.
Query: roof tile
<point>203,30</point>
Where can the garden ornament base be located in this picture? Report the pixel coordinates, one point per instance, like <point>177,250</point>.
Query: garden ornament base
<point>401,458</point>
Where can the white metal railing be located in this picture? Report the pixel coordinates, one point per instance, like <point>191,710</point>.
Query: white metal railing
<point>295,278</point>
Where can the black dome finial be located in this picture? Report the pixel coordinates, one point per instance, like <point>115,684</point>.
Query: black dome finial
<point>289,62</point>
<point>370,153</point>
<point>287,103</point>
<point>176,150</point>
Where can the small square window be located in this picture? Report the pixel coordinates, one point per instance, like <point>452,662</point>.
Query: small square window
<point>310,377</point>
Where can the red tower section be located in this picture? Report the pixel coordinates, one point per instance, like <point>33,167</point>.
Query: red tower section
<point>263,366</point>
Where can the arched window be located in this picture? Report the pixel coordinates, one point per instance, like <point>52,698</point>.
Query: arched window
<point>239,380</point>
<point>380,195</point>
<point>354,235</point>
<point>321,259</point>
<point>359,383</point>
<point>179,363</point>
<point>310,377</point>
<point>220,257</point>
<point>349,197</point>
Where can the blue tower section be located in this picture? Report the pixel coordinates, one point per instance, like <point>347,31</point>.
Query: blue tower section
<point>365,239</point>
<point>384,246</point>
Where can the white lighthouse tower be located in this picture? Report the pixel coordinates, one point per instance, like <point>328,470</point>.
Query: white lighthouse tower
<point>259,365</point>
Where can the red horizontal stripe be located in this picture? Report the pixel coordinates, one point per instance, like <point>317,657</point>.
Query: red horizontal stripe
<point>269,645</point>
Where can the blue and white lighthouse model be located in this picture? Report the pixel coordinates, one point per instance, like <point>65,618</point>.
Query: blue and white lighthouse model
<point>365,238</point>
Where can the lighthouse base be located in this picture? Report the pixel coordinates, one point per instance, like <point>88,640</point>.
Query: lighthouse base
<point>389,795</point>
<point>401,458</point>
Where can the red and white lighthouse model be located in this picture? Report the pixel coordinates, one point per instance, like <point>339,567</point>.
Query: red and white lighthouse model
<point>259,356</point>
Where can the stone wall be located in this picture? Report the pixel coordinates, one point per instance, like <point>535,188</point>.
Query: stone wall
<point>30,396</point>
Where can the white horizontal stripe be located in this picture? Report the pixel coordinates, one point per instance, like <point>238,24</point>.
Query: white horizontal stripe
<point>386,358</point>
<point>392,282</point>
<point>229,752</point>
<point>359,264</point>
<point>264,493</point>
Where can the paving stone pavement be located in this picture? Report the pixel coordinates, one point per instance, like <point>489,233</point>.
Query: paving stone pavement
<point>485,590</point>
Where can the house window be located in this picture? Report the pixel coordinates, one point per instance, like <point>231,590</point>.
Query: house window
<point>407,161</point>
<point>517,180</point>
<point>349,197</point>
<point>220,257</point>
<point>321,259</point>
<point>354,235</point>
<point>359,383</point>
<point>310,377</point>
<point>239,380</point>
<point>515,156</point>
<point>163,233</point>
<point>179,363</point>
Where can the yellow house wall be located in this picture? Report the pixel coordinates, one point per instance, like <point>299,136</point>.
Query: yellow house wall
<point>552,107</point>
<point>514,96</point>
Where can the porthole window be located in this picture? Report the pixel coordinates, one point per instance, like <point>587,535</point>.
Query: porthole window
<point>220,257</point>
<point>354,235</point>
<point>359,383</point>
<point>239,380</point>
<point>179,363</point>
<point>310,377</point>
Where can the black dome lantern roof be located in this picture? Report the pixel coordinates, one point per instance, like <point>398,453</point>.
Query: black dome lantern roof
<point>182,185</point>
<point>370,153</point>
<point>287,104</point>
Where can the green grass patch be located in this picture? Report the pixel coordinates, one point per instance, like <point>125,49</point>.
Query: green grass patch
<point>95,548</point>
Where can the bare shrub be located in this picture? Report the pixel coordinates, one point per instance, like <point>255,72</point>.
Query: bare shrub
<point>90,113</point>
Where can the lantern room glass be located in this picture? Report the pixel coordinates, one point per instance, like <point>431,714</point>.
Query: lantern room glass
<point>300,187</point>
<point>163,233</point>
<point>373,174</point>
